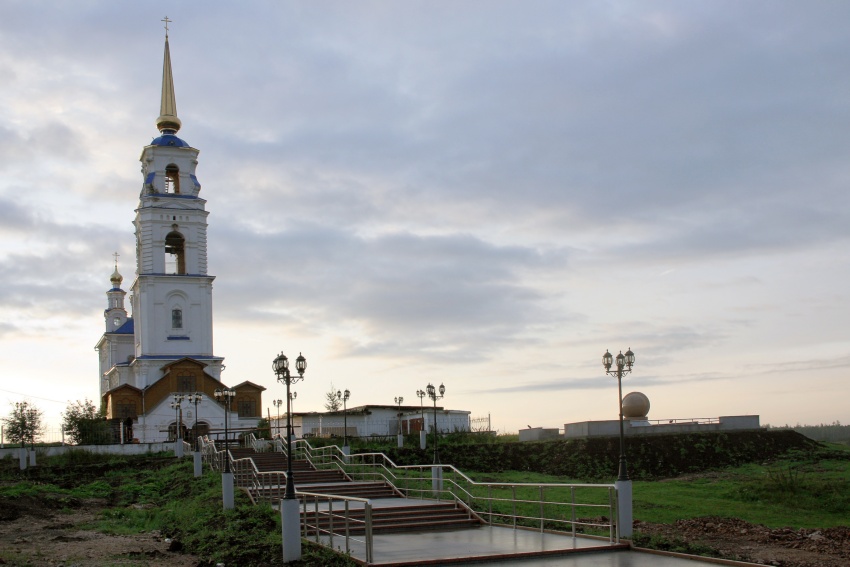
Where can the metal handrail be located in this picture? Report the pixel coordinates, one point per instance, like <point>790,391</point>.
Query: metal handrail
<point>470,493</point>
<point>330,514</point>
<point>492,502</point>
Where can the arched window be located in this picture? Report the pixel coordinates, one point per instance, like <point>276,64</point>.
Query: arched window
<point>172,431</point>
<point>199,429</point>
<point>177,319</point>
<point>175,253</point>
<point>172,179</point>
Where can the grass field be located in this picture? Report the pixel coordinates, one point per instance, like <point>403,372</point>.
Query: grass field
<point>804,489</point>
<point>809,490</point>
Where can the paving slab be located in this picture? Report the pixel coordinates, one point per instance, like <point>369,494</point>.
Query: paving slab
<point>431,547</point>
<point>499,545</point>
<point>620,558</point>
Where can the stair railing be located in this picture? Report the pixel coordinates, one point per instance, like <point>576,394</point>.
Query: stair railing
<point>266,486</point>
<point>210,454</point>
<point>244,472</point>
<point>562,507</point>
<point>556,506</point>
<point>320,519</point>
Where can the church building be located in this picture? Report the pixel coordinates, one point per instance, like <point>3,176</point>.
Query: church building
<point>157,368</point>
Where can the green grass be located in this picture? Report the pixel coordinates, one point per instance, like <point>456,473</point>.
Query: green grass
<point>809,490</point>
<point>97,489</point>
<point>154,494</point>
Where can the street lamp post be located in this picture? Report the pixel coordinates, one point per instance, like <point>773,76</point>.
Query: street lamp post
<point>432,393</point>
<point>290,521</point>
<point>280,365</point>
<point>225,396</point>
<point>421,394</point>
<point>624,366</point>
<point>32,416</point>
<point>400,435</point>
<point>290,408</point>
<point>195,399</point>
<point>344,397</point>
<point>624,484</point>
<point>277,404</point>
<point>196,454</point>
<point>398,402</point>
<point>176,405</point>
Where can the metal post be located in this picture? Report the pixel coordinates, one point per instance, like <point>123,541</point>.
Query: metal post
<point>513,500</point>
<point>623,472</point>
<point>436,437</point>
<point>226,434</point>
<point>347,528</point>
<point>541,508</point>
<point>290,483</point>
<point>331,523</point>
<point>368,518</point>
<point>573,507</point>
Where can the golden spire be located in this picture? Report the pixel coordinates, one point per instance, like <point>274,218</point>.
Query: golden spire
<point>168,123</point>
<point>116,278</point>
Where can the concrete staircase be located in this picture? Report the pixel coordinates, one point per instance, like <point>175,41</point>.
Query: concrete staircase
<point>397,519</point>
<point>391,512</point>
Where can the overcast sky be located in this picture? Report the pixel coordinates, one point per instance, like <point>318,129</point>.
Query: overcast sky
<point>484,194</point>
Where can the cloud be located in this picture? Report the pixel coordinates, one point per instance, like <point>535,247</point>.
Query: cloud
<point>402,292</point>
<point>808,365</point>
<point>440,182</point>
<point>601,383</point>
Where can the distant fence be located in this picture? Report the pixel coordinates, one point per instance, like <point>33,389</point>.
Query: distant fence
<point>480,424</point>
<point>112,449</point>
<point>108,433</point>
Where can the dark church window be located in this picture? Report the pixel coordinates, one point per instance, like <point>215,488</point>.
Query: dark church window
<point>247,408</point>
<point>176,318</point>
<point>199,429</point>
<point>175,253</point>
<point>125,410</point>
<point>185,383</point>
<point>172,179</point>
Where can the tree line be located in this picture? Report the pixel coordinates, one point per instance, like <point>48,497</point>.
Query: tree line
<point>828,432</point>
<point>82,421</point>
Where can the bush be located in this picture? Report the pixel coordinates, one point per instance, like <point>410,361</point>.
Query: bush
<point>85,424</point>
<point>597,458</point>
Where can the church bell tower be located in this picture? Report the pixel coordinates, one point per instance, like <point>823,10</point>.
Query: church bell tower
<point>152,362</point>
<point>172,293</point>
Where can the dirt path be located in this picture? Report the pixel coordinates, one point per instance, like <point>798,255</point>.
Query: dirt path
<point>35,532</point>
<point>740,540</point>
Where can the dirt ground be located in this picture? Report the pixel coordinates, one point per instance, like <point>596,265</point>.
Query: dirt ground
<point>43,533</point>
<point>742,541</point>
<point>32,532</point>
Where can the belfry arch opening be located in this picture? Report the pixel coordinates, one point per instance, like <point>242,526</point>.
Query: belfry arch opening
<point>175,253</point>
<point>172,179</point>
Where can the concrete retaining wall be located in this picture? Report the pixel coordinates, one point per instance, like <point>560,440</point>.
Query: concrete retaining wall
<point>127,449</point>
<point>612,428</point>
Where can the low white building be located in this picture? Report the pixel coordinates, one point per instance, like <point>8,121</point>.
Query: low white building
<point>373,421</point>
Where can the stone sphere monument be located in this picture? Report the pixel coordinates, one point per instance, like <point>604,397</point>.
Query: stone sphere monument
<point>635,406</point>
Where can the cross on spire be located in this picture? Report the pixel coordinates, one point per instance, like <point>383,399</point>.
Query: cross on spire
<point>167,123</point>
<point>115,255</point>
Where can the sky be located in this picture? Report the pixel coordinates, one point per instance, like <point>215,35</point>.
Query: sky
<point>484,194</point>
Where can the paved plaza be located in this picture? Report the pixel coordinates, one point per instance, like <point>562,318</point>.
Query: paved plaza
<point>507,546</point>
